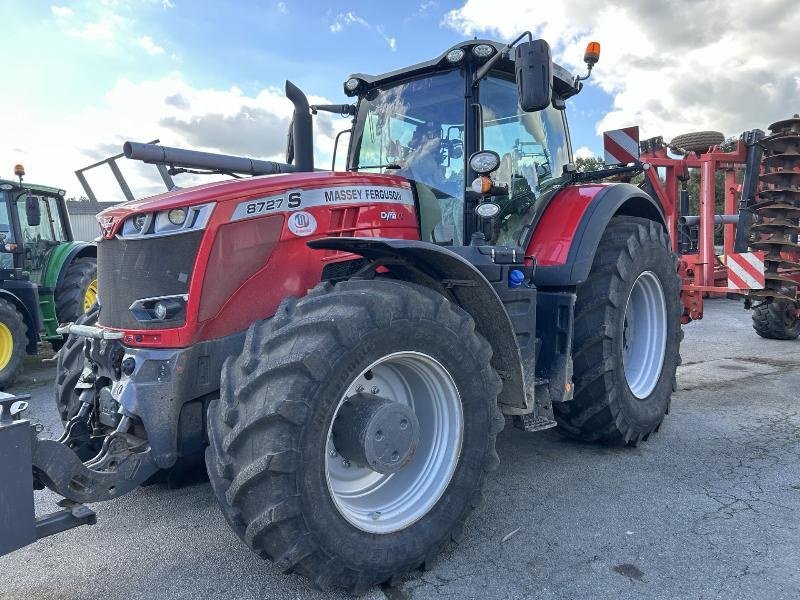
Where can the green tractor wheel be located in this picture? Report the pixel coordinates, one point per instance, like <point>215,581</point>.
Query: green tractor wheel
<point>13,340</point>
<point>78,290</point>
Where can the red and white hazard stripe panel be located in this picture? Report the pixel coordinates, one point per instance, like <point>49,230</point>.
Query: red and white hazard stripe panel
<point>621,146</point>
<point>746,271</point>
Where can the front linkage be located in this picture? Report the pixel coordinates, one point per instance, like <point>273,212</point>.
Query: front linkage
<point>123,462</point>
<point>22,452</point>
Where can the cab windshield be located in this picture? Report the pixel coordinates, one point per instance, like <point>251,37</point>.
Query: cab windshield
<point>416,130</point>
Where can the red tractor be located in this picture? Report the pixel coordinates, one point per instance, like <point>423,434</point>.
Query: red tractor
<point>344,347</point>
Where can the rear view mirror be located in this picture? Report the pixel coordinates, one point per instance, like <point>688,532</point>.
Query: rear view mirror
<point>534,70</point>
<point>33,212</point>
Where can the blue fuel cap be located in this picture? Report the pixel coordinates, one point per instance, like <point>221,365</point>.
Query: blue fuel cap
<point>515,278</point>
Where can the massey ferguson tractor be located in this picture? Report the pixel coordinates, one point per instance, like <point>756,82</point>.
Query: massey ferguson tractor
<point>345,346</point>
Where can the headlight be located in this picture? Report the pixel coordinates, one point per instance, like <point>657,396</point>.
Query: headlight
<point>174,221</point>
<point>164,308</point>
<point>139,221</point>
<point>454,55</point>
<point>160,311</point>
<point>351,86</point>
<point>487,210</point>
<point>177,216</point>
<point>483,50</point>
<point>484,162</point>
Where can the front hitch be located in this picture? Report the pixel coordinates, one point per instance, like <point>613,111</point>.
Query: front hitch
<point>28,463</point>
<point>19,525</point>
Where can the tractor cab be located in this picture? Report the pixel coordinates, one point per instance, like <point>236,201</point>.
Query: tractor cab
<point>45,277</point>
<point>34,222</point>
<point>424,122</point>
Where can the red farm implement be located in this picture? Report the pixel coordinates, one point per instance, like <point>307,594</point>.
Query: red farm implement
<point>749,247</point>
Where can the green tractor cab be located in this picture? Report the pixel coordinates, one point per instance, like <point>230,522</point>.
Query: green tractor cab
<point>46,277</point>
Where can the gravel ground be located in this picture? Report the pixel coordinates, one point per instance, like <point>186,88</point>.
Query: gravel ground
<point>708,508</point>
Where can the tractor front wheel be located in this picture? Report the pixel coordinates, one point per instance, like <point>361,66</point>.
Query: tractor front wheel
<point>13,342</point>
<point>777,320</point>
<point>354,431</point>
<point>627,336</point>
<point>69,368</point>
<point>77,292</point>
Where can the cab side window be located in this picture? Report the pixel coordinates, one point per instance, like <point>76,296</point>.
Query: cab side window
<point>533,149</point>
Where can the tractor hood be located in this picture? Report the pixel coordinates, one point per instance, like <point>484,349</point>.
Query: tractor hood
<point>111,219</point>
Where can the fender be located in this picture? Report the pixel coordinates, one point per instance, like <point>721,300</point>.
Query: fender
<point>24,295</point>
<point>452,276</point>
<point>57,268</point>
<point>566,236</point>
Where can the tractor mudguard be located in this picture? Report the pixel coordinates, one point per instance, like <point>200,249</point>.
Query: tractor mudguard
<point>453,276</point>
<point>62,257</point>
<point>24,295</point>
<point>565,237</point>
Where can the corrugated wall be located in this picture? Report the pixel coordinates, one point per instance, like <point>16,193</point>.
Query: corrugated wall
<point>84,227</point>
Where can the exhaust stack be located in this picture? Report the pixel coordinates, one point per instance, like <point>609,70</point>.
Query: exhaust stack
<point>303,133</point>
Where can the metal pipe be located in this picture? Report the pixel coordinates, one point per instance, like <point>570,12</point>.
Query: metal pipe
<point>708,256</point>
<point>192,159</point>
<point>303,133</point>
<point>718,219</point>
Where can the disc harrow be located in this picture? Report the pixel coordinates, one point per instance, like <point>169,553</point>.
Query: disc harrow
<point>777,224</point>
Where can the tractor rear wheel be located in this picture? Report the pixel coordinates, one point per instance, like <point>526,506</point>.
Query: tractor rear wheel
<point>69,368</point>
<point>353,433</point>
<point>627,336</point>
<point>777,320</point>
<point>77,292</point>
<point>13,343</point>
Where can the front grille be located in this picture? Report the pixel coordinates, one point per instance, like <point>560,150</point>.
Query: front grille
<point>128,270</point>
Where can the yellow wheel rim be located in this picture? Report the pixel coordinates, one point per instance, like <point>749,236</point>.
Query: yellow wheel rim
<point>6,346</point>
<point>90,296</point>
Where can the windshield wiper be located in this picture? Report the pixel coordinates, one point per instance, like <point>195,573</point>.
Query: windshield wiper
<point>388,166</point>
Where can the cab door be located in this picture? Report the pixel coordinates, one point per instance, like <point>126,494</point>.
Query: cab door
<point>533,149</point>
<point>39,241</point>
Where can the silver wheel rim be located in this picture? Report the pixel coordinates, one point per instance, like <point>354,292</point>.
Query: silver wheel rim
<point>379,503</point>
<point>644,337</point>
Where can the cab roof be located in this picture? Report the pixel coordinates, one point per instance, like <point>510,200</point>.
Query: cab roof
<point>563,80</point>
<point>34,187</point>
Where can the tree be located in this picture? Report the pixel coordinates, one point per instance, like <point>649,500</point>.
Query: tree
<point>589,163</point>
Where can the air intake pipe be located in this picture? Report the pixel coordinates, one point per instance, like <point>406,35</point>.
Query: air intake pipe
<point>192,159</point>
<point>303,132</point>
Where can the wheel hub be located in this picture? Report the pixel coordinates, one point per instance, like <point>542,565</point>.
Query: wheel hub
<point>644,335</point>
<point>376,432</point>
<point>428,448</point>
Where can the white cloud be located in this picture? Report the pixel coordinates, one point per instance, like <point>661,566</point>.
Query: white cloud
<point>105,29</point>
<point>213,120</point>
<point>61,11</point>
<point>392,41</point>
<point>149,46</point>
<point>167,4</point>
<point>584,152</point>
<point>671,67</point>
<point>348,18</point>
<point>282,8</point>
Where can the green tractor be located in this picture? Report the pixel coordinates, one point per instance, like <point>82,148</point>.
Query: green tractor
<point>46,277</point>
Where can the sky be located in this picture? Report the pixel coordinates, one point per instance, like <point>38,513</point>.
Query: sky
<point>80,78</point>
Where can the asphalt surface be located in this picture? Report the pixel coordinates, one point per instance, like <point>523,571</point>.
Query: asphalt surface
<point>709,507</point>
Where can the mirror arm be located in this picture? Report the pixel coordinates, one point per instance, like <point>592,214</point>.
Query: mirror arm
<point>481,73</point>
